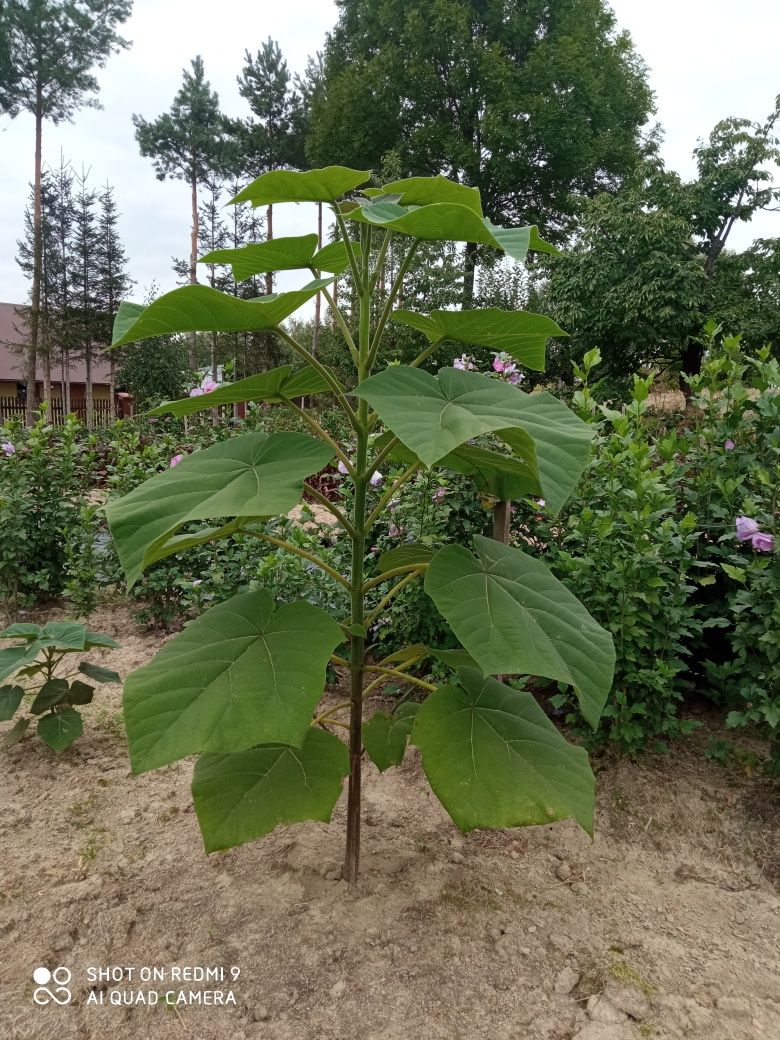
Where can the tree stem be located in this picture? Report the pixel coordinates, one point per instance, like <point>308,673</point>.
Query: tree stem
<point>358,644</point>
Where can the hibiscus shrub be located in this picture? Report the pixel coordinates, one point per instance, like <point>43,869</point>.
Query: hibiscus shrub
<point>43,482</point>
<point>670,542</point>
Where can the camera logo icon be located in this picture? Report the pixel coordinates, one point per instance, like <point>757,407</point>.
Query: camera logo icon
<point>59,994</point>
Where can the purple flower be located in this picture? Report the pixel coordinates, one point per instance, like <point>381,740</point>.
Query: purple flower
<point>541,503</point>
<point>342,468</point>
<point>176,460</point>
<point>8,448</point>
<point>729,444</point>
<point>393,531</point>
<point>498,364</point>
<point>376,478</point>
<point>763,542</point>
<point>746,528</point>
<point>206,386</point>
<point>515,377</point>
<point>439,493</point>
<point>465,363</point>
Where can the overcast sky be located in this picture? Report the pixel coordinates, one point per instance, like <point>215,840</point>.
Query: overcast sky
<point>708,59</point>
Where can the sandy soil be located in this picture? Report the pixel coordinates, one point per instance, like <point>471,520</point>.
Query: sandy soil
<point>666,926</point>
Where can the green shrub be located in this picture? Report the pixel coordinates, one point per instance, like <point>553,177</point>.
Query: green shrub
<point>42,489</point>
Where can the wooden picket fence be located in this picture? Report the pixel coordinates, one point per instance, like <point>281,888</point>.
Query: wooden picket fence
<point>14,408</point>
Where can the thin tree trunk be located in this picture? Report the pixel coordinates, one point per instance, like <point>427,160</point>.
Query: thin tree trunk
<point>111,388</point>
<point>502,515</point>
<point>469,269</point>
<point>269,229</point>
<point>88,402</point>
<point>194,267</point>
<point>32,347</point>
<point>47,375</point>
<point>66,379</point>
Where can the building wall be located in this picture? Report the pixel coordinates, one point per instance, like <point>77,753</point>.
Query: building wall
<point>100,391</point>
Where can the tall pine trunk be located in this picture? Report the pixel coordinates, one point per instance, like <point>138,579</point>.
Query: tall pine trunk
<point>269,278</point>
<point>111,388</point>
<point>88,401</point>
<point>194,266</point>
<point>469,270</point>
<point>35,310</point>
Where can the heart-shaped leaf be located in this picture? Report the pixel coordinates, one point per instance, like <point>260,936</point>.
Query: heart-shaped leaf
<point>10,699</point>
<point>446,222</point>
<point>241,674</point>
<point>407,555</point>
<point>251,475</point>
<point>324,185</point>
<point>98,673</point>
<point>422,191</point>
<point>277,384</point>
<point>514,617</point>
<point>278,254</point>
<point>434,415</point>
<point>21,630</point>
<point>99,639</point>
<point>241,796</point>
<point>52,692</point>
<point>199,308</point>
<point>520,333</point>
<point>385,736</point>
<point>61,728</point>
<point>12,658</point>
<point>494,759</point>
<point>80,692</point>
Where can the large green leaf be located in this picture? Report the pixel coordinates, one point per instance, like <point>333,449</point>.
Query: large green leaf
<point>334,258</point>
<point>422,191</point>
<point>60,729</point>
<point>514,617</point>
<point>241,674</point>
<point>98,673</point>
<point>241,796</point>
<point>501,475</point>
<point>10,699</point>
<point>494,759</point>
<point>434,415</point>
<point>385,736</point>
<point>199,308</point>
<point>283,254</point>
<point>324,185</point>
<point>446,222</point>
<point>52,692</point>
<point>12,658</point>
<point>277,384</point>
<point>520,333</point>
<point>409,554</point>
<point>252,475</point>
<point>279,254</point>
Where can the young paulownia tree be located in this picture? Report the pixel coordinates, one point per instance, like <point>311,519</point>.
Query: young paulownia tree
<point>240,685</point>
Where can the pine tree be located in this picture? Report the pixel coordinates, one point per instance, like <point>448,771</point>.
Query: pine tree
<point>188,143</point>
<point>113,280</point>
<point>84,279</point>
<point>47,53</point>
<point>271,140</point>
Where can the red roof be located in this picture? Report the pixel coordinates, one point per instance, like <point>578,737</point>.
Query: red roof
<point>13,331</point>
